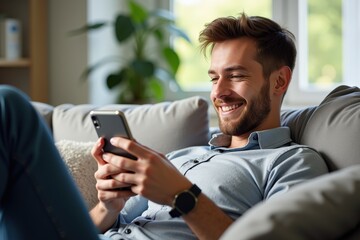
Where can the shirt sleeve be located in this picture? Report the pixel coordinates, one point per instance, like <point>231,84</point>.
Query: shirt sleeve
<point>295,165</point>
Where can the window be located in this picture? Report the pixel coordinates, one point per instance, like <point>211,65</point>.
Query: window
<point>192,15</point>
<point>324,37</point>
<point>327,33</point>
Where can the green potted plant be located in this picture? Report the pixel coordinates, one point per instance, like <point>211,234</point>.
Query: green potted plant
<point>141,76</point>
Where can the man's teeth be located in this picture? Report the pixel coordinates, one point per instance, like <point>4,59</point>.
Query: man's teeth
<point>229,108</point>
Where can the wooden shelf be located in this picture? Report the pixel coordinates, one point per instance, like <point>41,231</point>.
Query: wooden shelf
<point>30,73</point>
<point>24,62</point>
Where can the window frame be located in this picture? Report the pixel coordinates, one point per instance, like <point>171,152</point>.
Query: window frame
<point>293,16</point>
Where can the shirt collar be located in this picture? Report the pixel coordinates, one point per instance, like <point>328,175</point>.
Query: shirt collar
<point>266,139</point>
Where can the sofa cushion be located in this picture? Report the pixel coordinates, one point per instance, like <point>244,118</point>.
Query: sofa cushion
<point>82,166</point>
<point>332,128</point>
<point>165,126</point>
<point>45,110</point>
<point>324,208</point>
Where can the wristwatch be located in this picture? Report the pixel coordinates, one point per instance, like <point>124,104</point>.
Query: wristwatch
<point>185,201</point>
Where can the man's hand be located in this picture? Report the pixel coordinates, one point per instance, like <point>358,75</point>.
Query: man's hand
<point>111,198</point>
<point>110,191</point>
<point>151,175</point>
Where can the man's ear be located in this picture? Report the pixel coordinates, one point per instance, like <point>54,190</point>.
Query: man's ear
<point>282,80</point>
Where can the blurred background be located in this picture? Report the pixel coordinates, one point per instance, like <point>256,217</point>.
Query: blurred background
<point>52,62</point>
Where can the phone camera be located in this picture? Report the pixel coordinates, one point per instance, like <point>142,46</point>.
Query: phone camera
<point>96,122</point>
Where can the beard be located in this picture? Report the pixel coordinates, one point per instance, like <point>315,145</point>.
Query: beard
<point>251,117</point>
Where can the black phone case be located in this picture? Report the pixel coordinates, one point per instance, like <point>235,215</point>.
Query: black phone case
<point>110,124</point>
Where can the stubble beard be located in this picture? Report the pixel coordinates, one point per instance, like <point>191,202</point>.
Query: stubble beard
<point>251,117</point>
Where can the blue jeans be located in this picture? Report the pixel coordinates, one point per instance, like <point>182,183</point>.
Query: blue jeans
<point>38,198</point>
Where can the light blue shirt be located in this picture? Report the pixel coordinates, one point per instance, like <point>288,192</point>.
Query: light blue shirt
<point>234,178</point>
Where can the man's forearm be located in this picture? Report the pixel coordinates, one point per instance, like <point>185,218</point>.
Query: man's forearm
<point>102,218</point>
<point>207,220</point>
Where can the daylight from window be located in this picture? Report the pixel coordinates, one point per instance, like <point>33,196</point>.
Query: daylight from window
<point>324,25</point>
<point>192,15</point>
<point>321,29</point>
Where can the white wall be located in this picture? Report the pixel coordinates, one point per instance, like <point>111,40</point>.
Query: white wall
<point>102,45</point>
<point>67,55</point>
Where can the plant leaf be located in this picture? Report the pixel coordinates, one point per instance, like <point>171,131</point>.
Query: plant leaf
<point>113,80</point>
<point>143,67</point>
<point>98,64</point>
<point>178,32</point>
<point>157,89</point>
<point>164,75</point>
<point>159,35</point>
<point>138,13</point>
<point>86,28</point>
<point>167,78</point>
<point>172,58</point>
<point>124,27</point>
<point>164,15</point>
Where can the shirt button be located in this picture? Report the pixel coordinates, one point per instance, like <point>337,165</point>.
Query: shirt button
<point>196,161</point>
<point>127,231</point>
<point>136,223</point>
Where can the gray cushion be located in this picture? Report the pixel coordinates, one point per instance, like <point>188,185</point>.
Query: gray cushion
<point>324,208</point>
<point>332,128</point>
<point>165,126</point>
<point>45,110</point>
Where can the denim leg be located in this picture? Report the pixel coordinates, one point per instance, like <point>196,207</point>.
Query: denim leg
<point>38,198</point>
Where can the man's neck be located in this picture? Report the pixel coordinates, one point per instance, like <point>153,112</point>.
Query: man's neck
<point>242,140</point>
<point>239,141</point>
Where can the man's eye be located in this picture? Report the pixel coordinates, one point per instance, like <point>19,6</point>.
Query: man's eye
<point>214,79</point>
<point>237,77</point>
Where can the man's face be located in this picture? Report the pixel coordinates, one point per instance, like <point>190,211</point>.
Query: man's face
<point>240,94</point>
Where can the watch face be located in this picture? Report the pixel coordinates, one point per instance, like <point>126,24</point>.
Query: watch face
<point>185,202</point>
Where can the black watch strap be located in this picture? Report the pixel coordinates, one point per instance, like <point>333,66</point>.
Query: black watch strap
<point>185,201</point>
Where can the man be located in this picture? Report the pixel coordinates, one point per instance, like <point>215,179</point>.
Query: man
<point>201,190</point>
<point>251,65</point>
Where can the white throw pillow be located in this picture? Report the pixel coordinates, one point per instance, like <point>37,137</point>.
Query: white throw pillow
<point>82,166</point>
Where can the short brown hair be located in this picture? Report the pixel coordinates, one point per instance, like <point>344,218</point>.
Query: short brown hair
<point>275,45</point>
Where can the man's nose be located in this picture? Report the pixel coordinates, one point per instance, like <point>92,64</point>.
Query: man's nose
<point>221,88</point>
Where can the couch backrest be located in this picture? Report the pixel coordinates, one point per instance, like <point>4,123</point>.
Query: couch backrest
<point>165,126</point>
<point>332,128</point>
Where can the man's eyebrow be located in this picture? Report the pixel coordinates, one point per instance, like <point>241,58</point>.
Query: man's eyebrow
<point>235,67</point>
<point>229,69</point>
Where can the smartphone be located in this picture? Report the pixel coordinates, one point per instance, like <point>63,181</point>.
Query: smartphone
<point>111,123</point>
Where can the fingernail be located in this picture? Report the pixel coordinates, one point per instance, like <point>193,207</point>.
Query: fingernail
<point>112,141</point>
<point>105,156</point>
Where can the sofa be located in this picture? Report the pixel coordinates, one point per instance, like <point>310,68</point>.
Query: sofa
<point>327,207</point>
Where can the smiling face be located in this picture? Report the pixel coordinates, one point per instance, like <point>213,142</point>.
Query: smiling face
<point>240,94</point>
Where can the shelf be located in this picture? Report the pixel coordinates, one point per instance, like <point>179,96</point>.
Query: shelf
<point>30,73</point>
<point>24,62</point>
